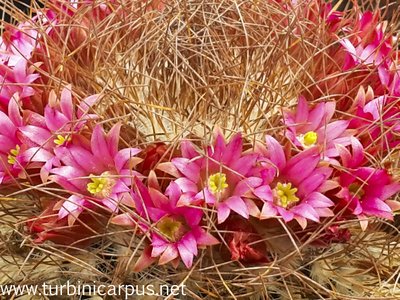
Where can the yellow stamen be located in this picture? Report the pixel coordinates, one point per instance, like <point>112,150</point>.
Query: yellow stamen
<point>285,194</point>
<point>172,228</point>
<point>100,186</point>
<point>309,139</point>
<point>217,182</point>
<point>60,140</point>
<point>12,157</point>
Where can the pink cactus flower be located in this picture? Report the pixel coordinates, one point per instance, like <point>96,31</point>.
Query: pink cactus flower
<point>296,184</point>
<point>370,46</point>
<point>308,127</point>
<point>366,191</point>
<point>376,120</point>
<point>62,121</point>
<point>95,173</point>
<point>175,232</point>
<point>221,177</point>
<point>17,44</point>
<point>17,79</point>
<point>16,157</point>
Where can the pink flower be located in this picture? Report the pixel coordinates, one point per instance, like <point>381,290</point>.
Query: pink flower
<point>16,157</point>
<point>62,121</point>
<point>308,127</point>
<point>174,231</point>
<point>365,190</point>
<point>296,184</point>
<point>370,46</point>
<point>17,44</point>
<point>221,177</point>
<point>376,120</point>
<point>16,79</point>
<point>97,173</point>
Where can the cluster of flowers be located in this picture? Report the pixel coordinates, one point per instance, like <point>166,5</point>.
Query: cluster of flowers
<point>314,170</point>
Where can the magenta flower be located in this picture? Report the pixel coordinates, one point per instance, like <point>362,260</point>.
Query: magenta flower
<point>174,231</point>
<point>16,157</point>
<point>365,190</point>
<point>376,120</point>
<point>17,79</point>
<point>97,173</point>
<point>296,184</point>
<point>221,177</point>
<point>17,44</point>
<point>368,47</point>
<point>307,128</point>
<point>62,120</point>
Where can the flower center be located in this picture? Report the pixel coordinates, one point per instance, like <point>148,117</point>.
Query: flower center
<point>12,157</point>
<point>174,228</point>
<point>356,190</point>
<point>101,186</point>
<point>60,140</point>
<point>217,183</point>
<point>309,139</point>
<point>285,195</point>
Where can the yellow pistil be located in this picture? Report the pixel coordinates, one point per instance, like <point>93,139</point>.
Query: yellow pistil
<point>60,140</point>
<point>12,157</point>
<point>217,182</point>
<point>100,186</point>
<point>356,190</point>
<point>285,194</point>
<point>172,228</point>
<point>309,139</point>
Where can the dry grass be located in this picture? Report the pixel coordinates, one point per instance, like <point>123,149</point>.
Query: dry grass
<point>179,73</point>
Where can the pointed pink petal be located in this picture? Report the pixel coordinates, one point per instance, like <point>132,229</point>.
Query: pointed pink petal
<point>334,129</point>
<point>186,185</point>
<point>223,212</point>
<point>378,208</point>
<point>317,117</point>
<point>55,120</point>
<point>124,219</point>
<point>188,150</point>
<point>187,168</point>
<point>302,111</point>
<point>264,193</point>
<point>246,185</point>
<point>169,168</point>
<point>112,139</point>
<point>186,255</point>
<point>302,221</point>
<point>287,215</point>
<point>389,190</point>
<point>38,135</point>
<point>144,260</point>
<point>14,112</point>
<point>237,204</point>
<point>169,254</point>
<point>7,128</point>
<point>100,147</point>
<point>233,149</point>
<point>306,211</point>
<point>268,211</point>
<point>66,102</point>
<point>204,238</point>
<point>70,178</point>
<point>318,200</point>
<point>124,156</point>
<point>219,146</point>
<point>394,205</point>
<point>86,105</point>
<point>276,154</point>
